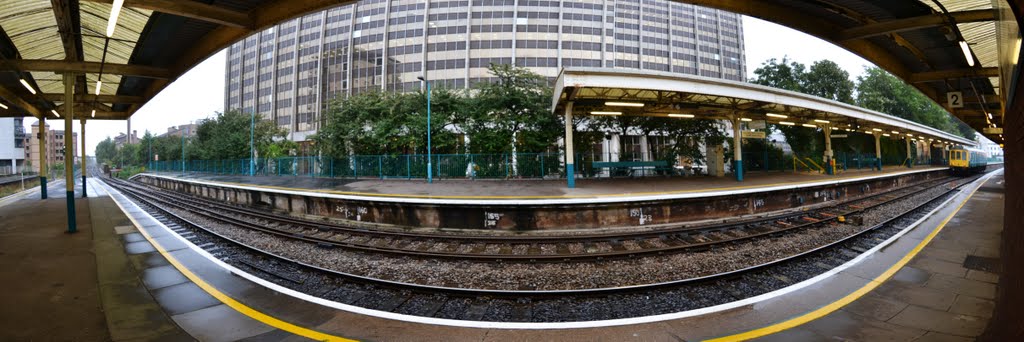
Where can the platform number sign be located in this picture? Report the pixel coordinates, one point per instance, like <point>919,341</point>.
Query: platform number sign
<point>955,99</point>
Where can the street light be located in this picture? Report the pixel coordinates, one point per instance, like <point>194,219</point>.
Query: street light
<point>430,171</point>
<point>252,151</point>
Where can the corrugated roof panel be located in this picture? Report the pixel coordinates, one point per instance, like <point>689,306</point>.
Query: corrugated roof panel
<point>48,82</point>
<point>32,28</point>
<point>130,24</point>
<point>982,39</point>
<point>110,83</point>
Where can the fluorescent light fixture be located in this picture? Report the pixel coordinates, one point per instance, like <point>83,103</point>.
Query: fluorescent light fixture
<point>624,104</point>
<point>895,132</point>
<point>868,132</point>
<point>821,121</point>
<point>28,86</point>
<point>3,106</point>
<point>93,113</point>
<point>115,10</point>
<point>967,53</point>
<point>606,113</point>
<point>809,125</point>
<point>680,115</point>
<point>989,116</point>
<point>780,116</point>
<point>909,135</point>
<point>54,111</point>
<point>787,123</point>
<point>876,129</point>
<point>746,119</point>
<point>1016,52</point>
<point>885,134</point>
<point>99,85</point>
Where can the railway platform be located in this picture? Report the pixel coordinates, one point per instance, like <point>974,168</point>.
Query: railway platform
<point>536,206</point>
<point>482,189</point>
<point>936,281</point>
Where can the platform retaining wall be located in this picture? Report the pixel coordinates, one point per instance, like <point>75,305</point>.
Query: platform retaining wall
<point>539,216</point>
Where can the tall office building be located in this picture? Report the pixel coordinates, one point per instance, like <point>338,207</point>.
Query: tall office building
<point>289,72</point>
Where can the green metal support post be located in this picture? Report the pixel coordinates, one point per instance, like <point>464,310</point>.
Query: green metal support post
<point>69,150</point>
<point>42,157</point>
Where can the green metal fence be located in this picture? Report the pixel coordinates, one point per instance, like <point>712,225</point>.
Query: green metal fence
<point>487,166</point>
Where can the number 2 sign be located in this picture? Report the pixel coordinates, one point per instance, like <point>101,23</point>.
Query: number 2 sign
<point>955,99</point>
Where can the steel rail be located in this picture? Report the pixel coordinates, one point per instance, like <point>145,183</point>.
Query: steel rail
<point>591,292</point>
<point>775,228</point>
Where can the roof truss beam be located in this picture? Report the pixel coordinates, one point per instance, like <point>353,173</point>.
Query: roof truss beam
<point>16,100</point>
<point>93,98</point>
<point>956,73</point>
<point>59,66</point>
<point>914,23</point>
<point>192,9</point>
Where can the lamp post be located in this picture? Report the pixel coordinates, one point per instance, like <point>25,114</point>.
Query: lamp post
<point>430,169</point>
<point>252,151</point>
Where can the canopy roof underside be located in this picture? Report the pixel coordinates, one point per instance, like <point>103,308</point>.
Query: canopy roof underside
<point>666,94</point>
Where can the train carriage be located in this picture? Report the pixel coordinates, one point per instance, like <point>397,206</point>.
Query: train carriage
<point>964,161</point>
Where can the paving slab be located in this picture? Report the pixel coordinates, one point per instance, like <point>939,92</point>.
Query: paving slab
<point>940,321</point>
<point>220,323</point>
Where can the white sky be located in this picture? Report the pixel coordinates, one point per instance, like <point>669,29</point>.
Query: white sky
<point>765,40</point>
<point>200,92</point>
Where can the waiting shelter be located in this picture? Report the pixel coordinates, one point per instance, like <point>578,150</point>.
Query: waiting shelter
<point>614,92</point>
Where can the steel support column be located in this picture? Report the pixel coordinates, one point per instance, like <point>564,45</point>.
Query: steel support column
<point>737,148</point>
<point>69,149</point>
<point>570,172</point>
<point>83,160</point>
<point>829,161</point>
<point>910,161</point>
<point>878,150</point>
<point>42,157</point>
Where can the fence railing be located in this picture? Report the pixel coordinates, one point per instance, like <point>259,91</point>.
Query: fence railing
<point>493,166</point>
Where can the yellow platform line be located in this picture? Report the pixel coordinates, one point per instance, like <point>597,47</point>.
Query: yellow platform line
<point>231,302</point>
<point>651,193</point>
<point>850,298</point>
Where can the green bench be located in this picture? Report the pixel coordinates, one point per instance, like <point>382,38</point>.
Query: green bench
<point>627,168</point>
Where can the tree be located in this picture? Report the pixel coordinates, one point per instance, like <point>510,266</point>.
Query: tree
<point>512,114</point>
<point>227,136</point>
<point>878,90</point>
<point>106,151</point>
<point>826,79</point>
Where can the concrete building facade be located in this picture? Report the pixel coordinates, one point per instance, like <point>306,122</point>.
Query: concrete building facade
<point>290,72</point>
<point>54,146</point>
<point>12,146</point>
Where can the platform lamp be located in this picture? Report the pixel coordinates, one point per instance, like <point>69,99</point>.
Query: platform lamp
<point>430,171</point>
<point>252,150</point>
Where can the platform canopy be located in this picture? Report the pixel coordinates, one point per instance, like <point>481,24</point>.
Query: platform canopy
<point>152,43</point>
<point>613,92</point>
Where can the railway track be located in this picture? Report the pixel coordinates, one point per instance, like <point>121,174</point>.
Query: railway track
<point>542,306</point>
<point>587,247</point>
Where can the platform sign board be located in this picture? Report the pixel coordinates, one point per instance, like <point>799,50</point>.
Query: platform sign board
<point>753,135</point>
<point>834,136</point>
<point>955,99</point>
<point>156,157</point>
<point>756,125</point>
<point>992,130</point>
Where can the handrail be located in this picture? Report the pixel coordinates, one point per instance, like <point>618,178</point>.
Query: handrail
<point>820,169</point>
<point>797,160</point>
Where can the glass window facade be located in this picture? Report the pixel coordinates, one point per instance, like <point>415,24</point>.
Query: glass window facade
<point>288,73</point>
